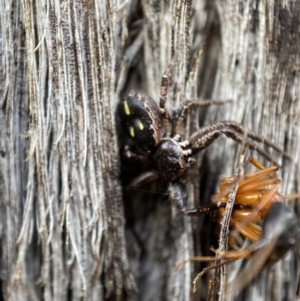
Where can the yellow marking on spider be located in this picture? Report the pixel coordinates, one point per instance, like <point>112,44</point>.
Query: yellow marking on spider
<point>126,108</point>
<point>131,131</point>
<point>141,126</point>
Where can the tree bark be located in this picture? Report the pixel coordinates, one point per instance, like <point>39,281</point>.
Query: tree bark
<point>64,68</point>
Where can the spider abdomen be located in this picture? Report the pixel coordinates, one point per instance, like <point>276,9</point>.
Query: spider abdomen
<point>169,159</point>
<point>141,120</point>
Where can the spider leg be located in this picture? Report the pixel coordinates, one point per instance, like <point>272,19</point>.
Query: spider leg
<point>208,134</point>
<point>179,127</point>
<point>144,178</point>
<point>163,98</point>
<point>175,196</point>
<point>256,137</point>
<point>207,129</point>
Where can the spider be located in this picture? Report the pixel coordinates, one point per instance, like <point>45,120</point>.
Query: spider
<point>257,198</point>
<point>159,138</point>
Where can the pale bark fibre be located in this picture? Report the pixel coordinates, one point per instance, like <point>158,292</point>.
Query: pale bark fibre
<point>62,219</point>
<point>63,68</point>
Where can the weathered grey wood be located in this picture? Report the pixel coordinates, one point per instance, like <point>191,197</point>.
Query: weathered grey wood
<point>64,67</point>
<point>62,225</point>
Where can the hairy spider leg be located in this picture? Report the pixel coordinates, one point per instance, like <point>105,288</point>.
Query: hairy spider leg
<point>144,178</point>
<point>179,126</point>
<point>208,134</point>
<point>163,98</point>
<point>256,137</point>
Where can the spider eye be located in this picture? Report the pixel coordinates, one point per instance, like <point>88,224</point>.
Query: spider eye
<point>140,119</point>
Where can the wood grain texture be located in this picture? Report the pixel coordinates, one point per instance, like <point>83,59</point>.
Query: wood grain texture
<point>67,232</point>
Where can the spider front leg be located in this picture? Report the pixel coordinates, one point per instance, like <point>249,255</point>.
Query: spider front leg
<point>208,134</point>
<point>179,127</point>
<point>144,178</point>
<point>163,98</point>
<point>175,196</point>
